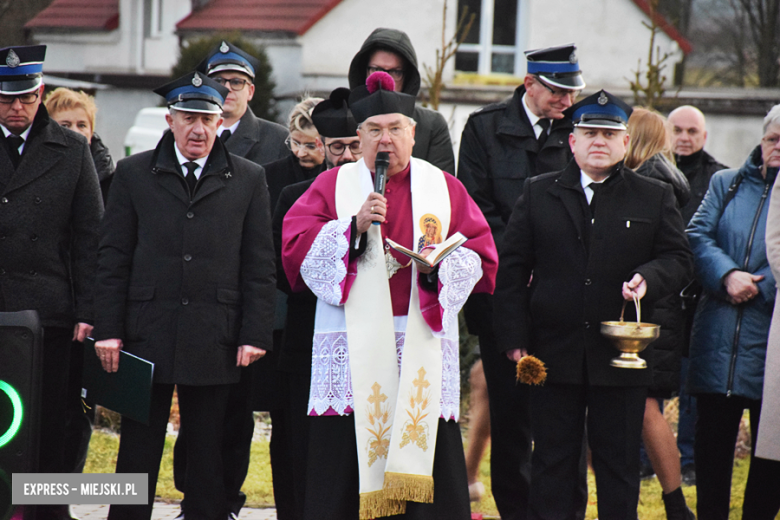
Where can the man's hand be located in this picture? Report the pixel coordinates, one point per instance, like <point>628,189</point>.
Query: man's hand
<point>81,331</point>
<point>247,354</point>
<point>108,352</point>
<point>373,209</point>
<point>636,286</point>
<point>516,354</point>
<point>421,267</point>
<point>741,286</point>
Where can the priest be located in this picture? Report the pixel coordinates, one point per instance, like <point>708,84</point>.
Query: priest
<point>384,398</point>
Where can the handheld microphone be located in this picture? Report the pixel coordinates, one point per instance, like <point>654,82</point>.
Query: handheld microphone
<point>380,164</point>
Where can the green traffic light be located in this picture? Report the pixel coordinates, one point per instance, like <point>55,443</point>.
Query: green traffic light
<point>16,423</point>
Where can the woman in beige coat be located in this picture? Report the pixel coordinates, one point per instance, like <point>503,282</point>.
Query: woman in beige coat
<point>768,444</point>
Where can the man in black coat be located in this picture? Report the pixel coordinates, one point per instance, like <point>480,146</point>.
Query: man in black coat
<point>50,210</point>
<point>502,145</point>
<point>391,51</point>
<point>581,249</point>
<point>260,141</point>
<point>186,280</point>
<point>689,135</point>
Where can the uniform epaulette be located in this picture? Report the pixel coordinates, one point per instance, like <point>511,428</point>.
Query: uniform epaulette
<point>489,108</point>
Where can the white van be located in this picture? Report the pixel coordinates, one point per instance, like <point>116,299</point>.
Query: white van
<point>146,131</point>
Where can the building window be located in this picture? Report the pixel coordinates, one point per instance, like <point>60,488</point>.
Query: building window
<point>491,45</point>
<point>152,18</point>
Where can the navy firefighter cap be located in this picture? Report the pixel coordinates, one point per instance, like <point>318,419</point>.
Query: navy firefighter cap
<point>21,69</point>
<point>227,56</point>
<point>601,110</point>
<point>194,92</point>
<point>557,66</point>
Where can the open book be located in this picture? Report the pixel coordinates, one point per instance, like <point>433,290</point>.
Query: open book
<point>437,254</point>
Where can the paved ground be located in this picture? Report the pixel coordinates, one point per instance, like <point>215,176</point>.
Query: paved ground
<point>163,511</point>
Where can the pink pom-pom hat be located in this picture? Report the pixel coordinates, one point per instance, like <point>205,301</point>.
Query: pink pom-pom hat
<point>380,80</point>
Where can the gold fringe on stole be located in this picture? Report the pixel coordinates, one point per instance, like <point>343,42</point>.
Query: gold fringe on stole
<point>376,504</point>
<point>405,486</point>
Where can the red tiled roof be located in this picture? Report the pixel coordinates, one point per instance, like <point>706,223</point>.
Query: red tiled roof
<point>295,16</point>
<point>78,14</point>
<point>685,46</point>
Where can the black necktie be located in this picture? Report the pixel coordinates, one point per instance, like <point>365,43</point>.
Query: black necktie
<point>545,124</point>
<point>190,177</point>
<point>225,135</point>
<point>14,142</point>
<point>595,187</point>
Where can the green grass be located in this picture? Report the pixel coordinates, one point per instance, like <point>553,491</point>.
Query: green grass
<point>259,489</point>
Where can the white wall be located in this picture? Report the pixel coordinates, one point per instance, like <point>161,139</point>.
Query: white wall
<point>330,45</point>
<point>123,50</point>
<point>609,35</point>
<point>116,112</point>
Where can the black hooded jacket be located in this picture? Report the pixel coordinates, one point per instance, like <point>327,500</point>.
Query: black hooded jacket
<point>432,136</point>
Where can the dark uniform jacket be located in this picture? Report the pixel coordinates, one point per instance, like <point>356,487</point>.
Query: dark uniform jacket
<point>578,269</point>
<point>184,283</point>
<point>258,140</point>
<point>499,150</point>
<point>432,141</point>
<point>50,210</point>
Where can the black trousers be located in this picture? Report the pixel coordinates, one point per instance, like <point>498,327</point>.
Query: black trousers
<point>57,401</point>
<point>332,485</point>
<point>290,435</point>
<point>202,412</point>
<point>510,419</point>
<point>614,417</point>
<point>717,427</point>
<point>239,425</point>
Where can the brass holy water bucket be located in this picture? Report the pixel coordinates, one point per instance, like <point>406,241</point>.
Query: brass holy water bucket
<point>630,338</point>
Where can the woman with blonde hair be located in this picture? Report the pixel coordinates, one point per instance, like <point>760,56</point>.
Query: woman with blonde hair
<point>77,111</point>
<point>307,158</point>
<point>649,153</point>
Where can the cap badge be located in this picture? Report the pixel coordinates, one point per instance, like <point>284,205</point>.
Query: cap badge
<point>224,48</point>
<point>573,57</point>
<point>12,60</point>
<point>603,99</point>
<point>197,81</point>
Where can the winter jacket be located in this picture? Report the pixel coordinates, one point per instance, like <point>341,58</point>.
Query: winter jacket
<point>664,357</point>
<point>728,342</point>
<point>432,141</point>
<point>698,168</point>
<point>104,164</point>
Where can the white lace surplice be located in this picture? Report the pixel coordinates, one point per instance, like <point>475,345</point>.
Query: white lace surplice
<point>324,271</point>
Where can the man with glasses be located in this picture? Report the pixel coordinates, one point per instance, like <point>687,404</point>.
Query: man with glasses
<point>243,133</point>
<point>50,210</point>
<point>337,128</point>
<point>502,145</point>
<point>391,51</point>
<point>382,443</point>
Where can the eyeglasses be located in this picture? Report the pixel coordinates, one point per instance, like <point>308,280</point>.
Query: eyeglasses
<point>396,74</point>
<point>236,84</point>
<point>376,132</point>
<point>559,94</point>
<point>771,140</point>
<point>338,148</point>
<point>294,145</point>
<point>25,99</point>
